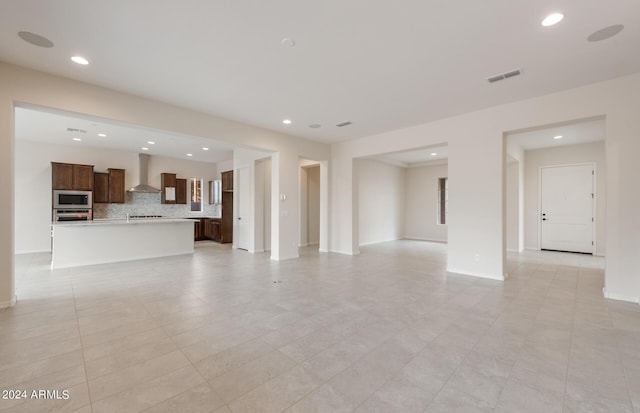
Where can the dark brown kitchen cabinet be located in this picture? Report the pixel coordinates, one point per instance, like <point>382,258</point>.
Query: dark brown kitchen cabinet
<point>226,220</point>
<point>168,186</point>
<point>214,230</point>
<point>71,176</point>
<point>108,187</point>
<point>116,186</point>
<point>227,181</point>
<point>100,187</point>
<point>181,191</point>
<point>197,230</point>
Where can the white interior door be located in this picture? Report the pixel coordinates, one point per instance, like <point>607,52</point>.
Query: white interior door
<point>566,208</point>
<point>243,209</point>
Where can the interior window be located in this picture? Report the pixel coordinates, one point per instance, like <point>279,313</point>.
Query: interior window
<point>196,194</point>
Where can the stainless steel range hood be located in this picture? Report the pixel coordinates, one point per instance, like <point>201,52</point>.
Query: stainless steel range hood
<point>143,185</point>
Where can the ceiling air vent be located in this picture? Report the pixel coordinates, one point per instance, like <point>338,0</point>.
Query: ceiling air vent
<point>503,76</point>
<point>76,130</point>
<point>340,125</point>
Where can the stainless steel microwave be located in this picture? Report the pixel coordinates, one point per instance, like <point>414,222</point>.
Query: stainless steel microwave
<point>65,199</point>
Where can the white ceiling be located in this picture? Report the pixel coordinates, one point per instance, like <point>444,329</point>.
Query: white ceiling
<point>416,157</point>
<point>39,126</point>
<point>572,134</point>
<point>381,65</point>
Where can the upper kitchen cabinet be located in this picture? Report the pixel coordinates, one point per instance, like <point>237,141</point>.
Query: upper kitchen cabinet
<point>108,187</point>
<point>227,181</point>
<point>100,187</point>
<point>71,176</point>
<point>116,186</point>
<point>168,187</point>
<point>181,191</point>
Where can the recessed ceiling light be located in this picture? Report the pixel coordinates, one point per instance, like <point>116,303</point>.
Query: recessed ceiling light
<point>189,154</point>
<point>102,135</point>
<point>35,39</point>
<point>205,149</point>
<point>77,139</point>
<point>151,142</point>
<point>287,122</point>
<point>552,19</point>
<point>557,137</point>
<point>433,154</point>
<point>80,60</point>
<point>145,148</point>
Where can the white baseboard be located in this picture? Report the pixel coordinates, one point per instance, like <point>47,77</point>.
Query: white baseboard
<point>356,252</point>
<point>619,297</point>
<point>32,252</point>
<point>362,244</point>
<point>10,303</point>
<point>441,241</point>
<point>478,274</point>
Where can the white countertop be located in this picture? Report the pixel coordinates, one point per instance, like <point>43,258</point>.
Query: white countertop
<point>122,221</point>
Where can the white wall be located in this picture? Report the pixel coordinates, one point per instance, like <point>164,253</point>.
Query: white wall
<point>421,206</point>
<point>224,166</point>
<point>382,199</point>
<point>568,154</point>
<point>309,202</point>
<point>513,206</point>
<point>265,169</point>
<point>313,205</point>
<point>33,180</point>
<point>250,159</point>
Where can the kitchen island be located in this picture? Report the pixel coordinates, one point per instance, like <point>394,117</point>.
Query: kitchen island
<point>112,240</point>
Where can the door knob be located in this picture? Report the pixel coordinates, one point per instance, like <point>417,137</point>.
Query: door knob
<point>544,219</point>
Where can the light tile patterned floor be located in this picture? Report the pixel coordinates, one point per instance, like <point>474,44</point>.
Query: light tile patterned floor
<point>385,331</point>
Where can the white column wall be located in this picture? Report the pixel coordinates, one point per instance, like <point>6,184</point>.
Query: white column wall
<point>622,146</point>
<point>285,214</point>
<point>7,227</point>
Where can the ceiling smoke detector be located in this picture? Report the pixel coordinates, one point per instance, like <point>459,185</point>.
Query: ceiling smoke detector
<point>340,125</point>
<point>503,76</point>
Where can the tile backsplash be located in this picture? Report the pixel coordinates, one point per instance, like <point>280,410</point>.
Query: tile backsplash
<point>137,203</point>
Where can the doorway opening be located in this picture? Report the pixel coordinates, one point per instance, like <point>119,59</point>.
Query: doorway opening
<point>555,178</point>
<point>309,228</point>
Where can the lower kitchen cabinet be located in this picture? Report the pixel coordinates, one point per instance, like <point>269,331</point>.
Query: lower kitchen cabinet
<point>213,230</point>
<point>207,228</point>
<point>198,229</point>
